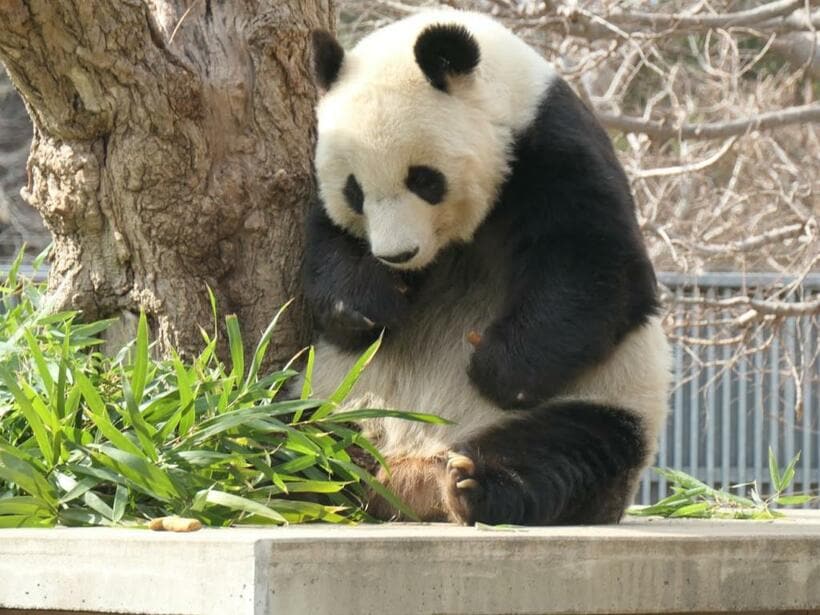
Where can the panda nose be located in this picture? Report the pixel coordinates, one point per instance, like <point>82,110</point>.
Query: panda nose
<point>399,258</point>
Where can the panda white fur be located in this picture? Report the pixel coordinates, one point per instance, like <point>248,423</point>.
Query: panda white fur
<point>472,208</point>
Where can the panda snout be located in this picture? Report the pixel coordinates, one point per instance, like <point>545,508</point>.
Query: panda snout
<point>398,258</point>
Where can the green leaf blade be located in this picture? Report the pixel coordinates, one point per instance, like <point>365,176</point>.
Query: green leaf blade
<point>139,370</point>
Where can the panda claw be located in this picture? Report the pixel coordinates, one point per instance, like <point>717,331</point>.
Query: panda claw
<point>468,483</point>
<point>463,491</point>
<point>460,464</point>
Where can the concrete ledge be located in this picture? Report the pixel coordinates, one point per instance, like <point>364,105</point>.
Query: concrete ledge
<point>641,566</point>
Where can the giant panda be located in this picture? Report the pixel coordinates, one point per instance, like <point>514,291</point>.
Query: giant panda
<point>472,210</point>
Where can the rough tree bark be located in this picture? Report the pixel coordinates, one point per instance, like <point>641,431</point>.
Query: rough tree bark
<point>172,149</point>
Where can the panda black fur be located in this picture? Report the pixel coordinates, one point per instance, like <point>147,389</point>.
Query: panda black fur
<point>465,188</point>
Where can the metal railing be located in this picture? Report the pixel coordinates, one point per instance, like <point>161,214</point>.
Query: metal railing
<point>733,399</point>
<point>26,271</point>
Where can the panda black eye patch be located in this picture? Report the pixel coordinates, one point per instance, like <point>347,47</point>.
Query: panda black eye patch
<point>353,193</point>
<point>427,183</point>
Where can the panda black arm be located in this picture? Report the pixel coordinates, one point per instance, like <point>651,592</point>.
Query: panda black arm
<point>571,300</point>
<point>351,294</point>
<point>579,275</point>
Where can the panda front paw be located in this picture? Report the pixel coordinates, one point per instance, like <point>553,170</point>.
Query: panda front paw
<point>501,378</point>
<point>346,327</point>
<point>354,315</point>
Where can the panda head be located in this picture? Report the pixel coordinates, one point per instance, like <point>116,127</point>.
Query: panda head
<point>408,156</point>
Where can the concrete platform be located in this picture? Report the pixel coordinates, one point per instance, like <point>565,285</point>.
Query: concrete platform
<point>640,566</point>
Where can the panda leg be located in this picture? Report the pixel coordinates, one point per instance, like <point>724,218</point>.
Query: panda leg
<point>571,462</point>
<point>417,481</point>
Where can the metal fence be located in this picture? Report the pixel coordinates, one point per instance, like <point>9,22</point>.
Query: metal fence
<point>728,407</point>
<point>732,400</point>
<point>25,271</point>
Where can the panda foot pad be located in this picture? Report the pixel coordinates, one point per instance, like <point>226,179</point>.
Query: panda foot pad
<point>462,490</point>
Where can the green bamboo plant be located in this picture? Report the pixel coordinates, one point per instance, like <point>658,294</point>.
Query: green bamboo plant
<point>89,439</point>
<point>692,498</point>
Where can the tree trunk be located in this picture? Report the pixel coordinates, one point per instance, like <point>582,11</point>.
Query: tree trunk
<point>172,151</point>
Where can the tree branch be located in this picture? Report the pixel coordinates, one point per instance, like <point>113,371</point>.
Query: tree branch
<point>713,130</point>
<point>684,168</point>
<point>679,20</point>
<point>770,307</point>
<point>775,17</point>
<point>796,22</point>
<point>752,243</point>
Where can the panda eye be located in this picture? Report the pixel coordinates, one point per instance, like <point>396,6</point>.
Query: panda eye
<point>427,183</point>
<point>354,195</point>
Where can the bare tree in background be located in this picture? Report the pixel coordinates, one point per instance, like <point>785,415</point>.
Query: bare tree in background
<point>713,110</point>
<point>172,150</point>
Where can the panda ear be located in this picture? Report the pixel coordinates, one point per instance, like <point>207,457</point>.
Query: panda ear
<point>328,56</point>
<point>446,50</point>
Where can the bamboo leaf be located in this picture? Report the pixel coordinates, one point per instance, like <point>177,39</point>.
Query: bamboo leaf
<point>239,504</point>
<point>774,471</point>
<point>14,269</point>
<point>794,500</point>
<point>697,509</point>
<point>94,502</point>
<point>18,472</point>
<point>297,464</point>
<point>186,395</point>
<point>304,486</point>
<point>788,473</point>
<point>297,511</point>
<point>24,505</point>
<point>18,521</point>
<point>214,312</point>
<point>144,432</point>
<point>78,516</point>
<point>99,416</point>
<point>236,347</point>
<point>39,360</point>
<point>233,419</point>
<point>79,488</point>
<point>59,391</point>
<point>138,470</point>
<point>120,502</point>
<point>89,331</point>
<point>262,345</point>
<point>374,413</point>
<point>30,414</point>
<point>139,371</point>
<point>307,383</point>
<point>343,390</point>
<point>37,263</point>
